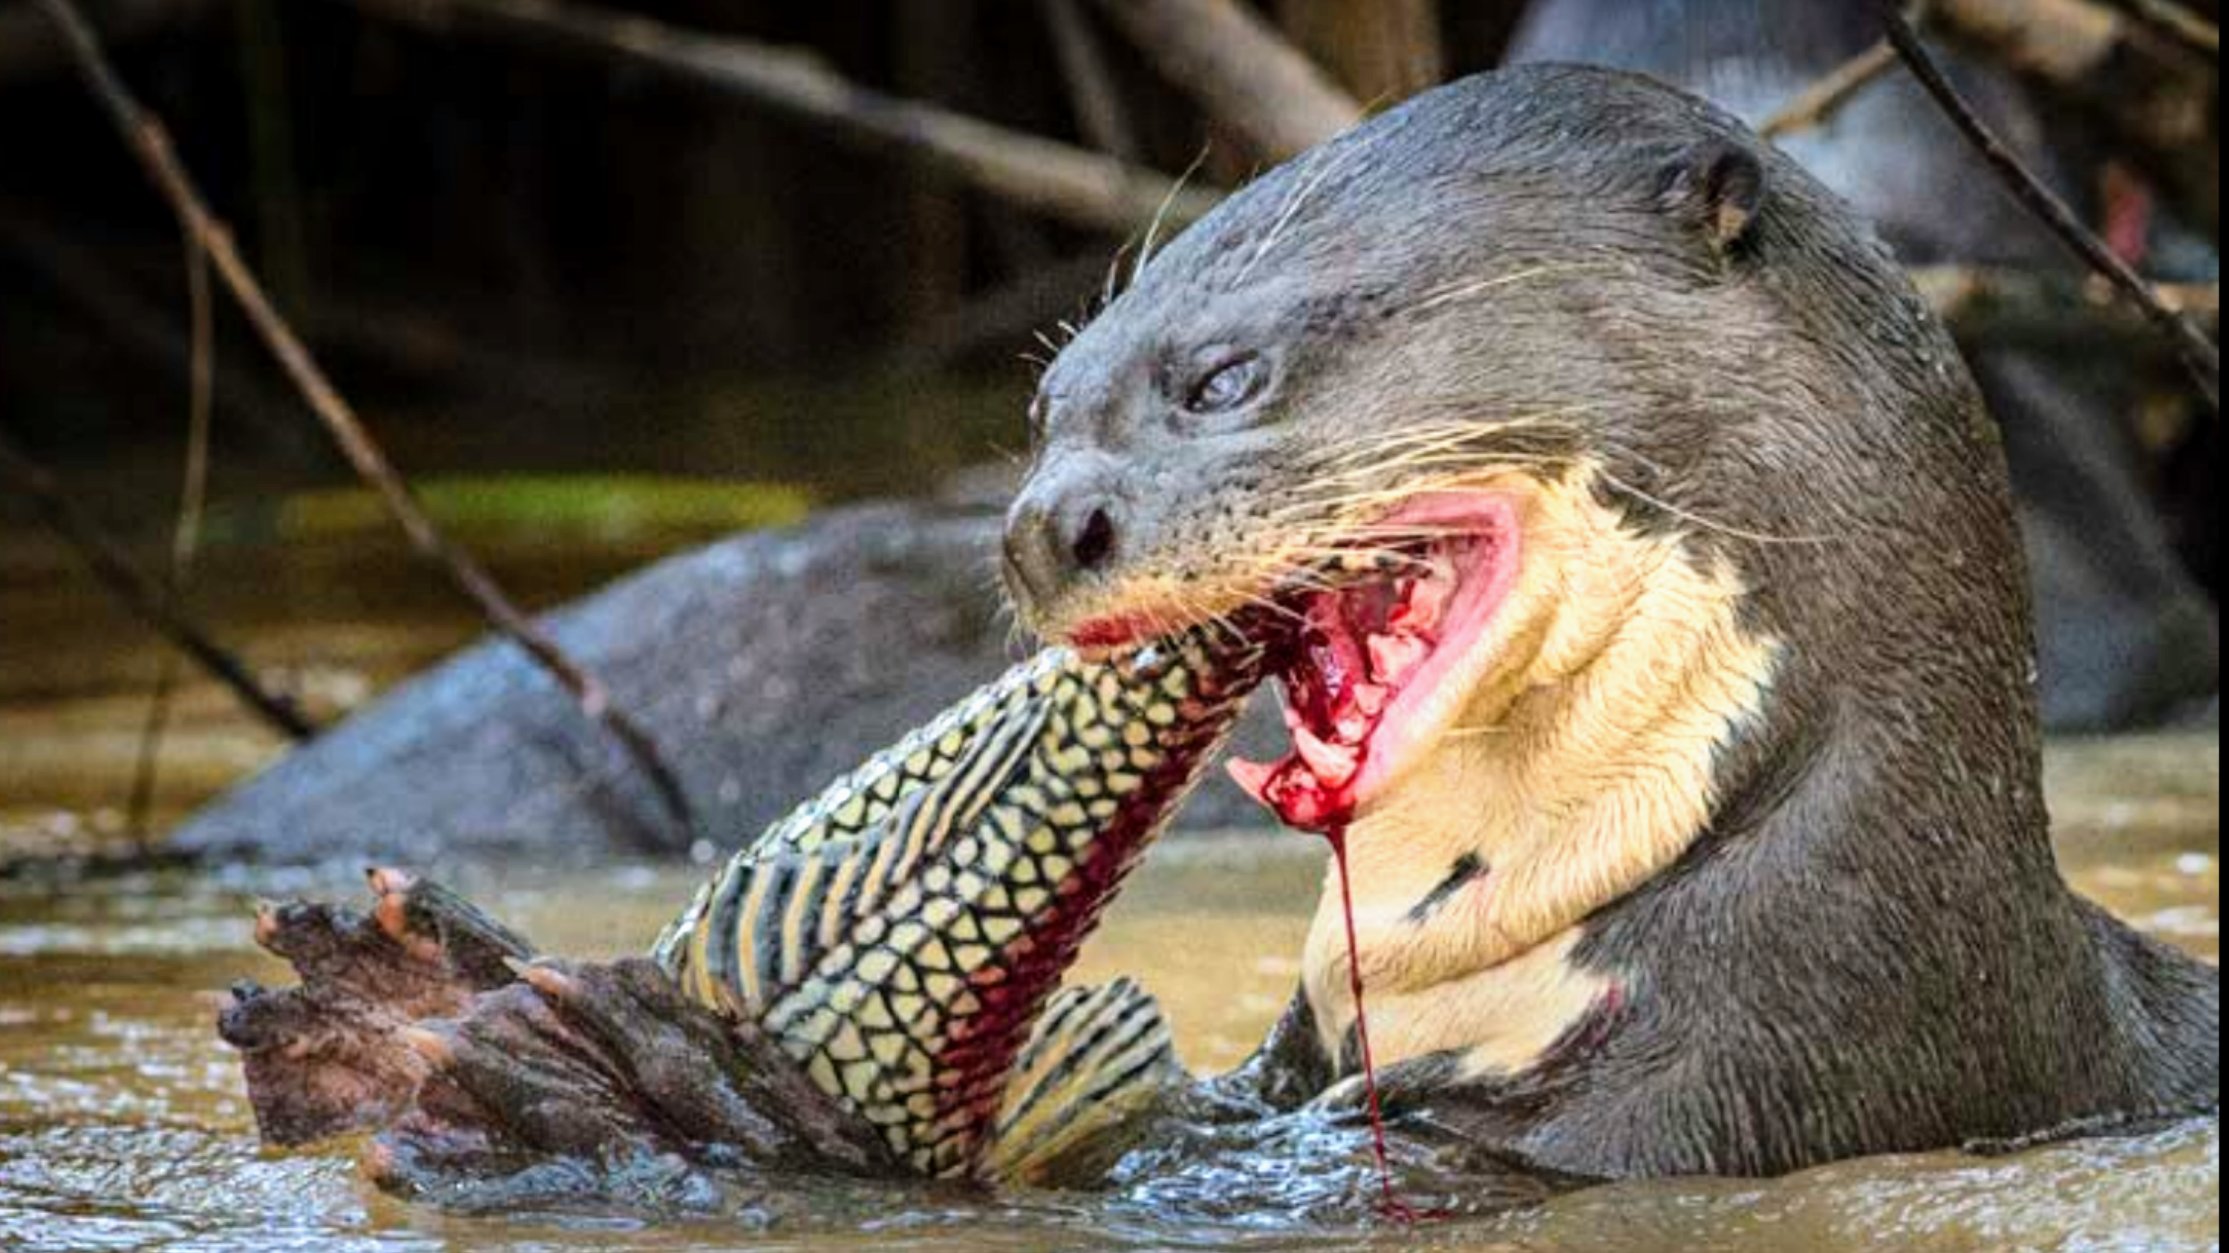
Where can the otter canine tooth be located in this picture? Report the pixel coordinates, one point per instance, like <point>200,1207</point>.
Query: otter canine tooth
<point>1393,657</point>
<point>1334,765</point>
<point>1371,698</point>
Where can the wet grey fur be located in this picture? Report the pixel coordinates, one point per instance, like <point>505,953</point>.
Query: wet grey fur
<point>2128,638</point>
<point>1871,949</point>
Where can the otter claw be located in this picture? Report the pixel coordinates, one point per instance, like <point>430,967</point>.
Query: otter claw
<point>437,1047</point>
<point>266,923</point>
<point>551,982</point>
<point>389,881</point>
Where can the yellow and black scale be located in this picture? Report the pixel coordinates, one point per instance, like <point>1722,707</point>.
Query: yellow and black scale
<point>899,934</point>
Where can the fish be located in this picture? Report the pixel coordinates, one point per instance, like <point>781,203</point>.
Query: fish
<point>902,934</point>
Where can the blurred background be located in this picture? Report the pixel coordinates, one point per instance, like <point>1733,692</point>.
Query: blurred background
<point>611,282</point>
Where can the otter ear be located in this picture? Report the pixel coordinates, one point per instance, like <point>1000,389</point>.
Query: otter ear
<point>1719,187</point>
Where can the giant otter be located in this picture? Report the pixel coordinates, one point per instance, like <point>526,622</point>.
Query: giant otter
<point>1690,750</point>
<point>1637,561</point>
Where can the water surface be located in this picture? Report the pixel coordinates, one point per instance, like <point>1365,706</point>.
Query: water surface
<point>123,1124</point>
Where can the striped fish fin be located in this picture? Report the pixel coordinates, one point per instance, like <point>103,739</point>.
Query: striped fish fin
<point>1098,1056</point>
<point>776,913</point>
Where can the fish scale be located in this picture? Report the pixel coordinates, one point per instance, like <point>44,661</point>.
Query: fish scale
<point>899,934</point>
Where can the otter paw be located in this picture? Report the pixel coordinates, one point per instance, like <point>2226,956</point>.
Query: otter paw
<point>326,1057</point>
<point>587,1078</point>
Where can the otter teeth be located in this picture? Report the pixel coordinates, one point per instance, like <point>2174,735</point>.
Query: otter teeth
<point>1334,765</point>
<point>1394,657</point>
<point>1425,605</point>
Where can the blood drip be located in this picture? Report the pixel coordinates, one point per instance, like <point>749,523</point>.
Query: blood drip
<point>1346,661</point>
<point>1390,1204</point>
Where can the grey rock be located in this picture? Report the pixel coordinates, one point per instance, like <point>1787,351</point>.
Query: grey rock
<point>763,665</point>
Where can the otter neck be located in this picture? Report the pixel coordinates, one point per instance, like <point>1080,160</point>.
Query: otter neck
<point>1583,765</point>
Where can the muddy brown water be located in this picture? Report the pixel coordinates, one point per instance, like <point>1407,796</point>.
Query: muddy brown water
<point>123,1124</point>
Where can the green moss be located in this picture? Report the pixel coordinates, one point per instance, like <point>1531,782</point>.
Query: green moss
<point>545,510</point>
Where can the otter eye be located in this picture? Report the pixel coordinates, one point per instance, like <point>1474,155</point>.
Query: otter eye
<point>1227,386</point>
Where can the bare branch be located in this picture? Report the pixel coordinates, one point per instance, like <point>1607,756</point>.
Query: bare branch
<point>1822,100</point>
<point>1092,91</point>
<point>2197,351</point>
<point>1993,305</point>
<point>2160,98</point>
<point>140,594</point>
<point>31,49</point>
<point>150,141</point>
<point>1376,50</point>
<point>2179,22</point>
<point>1056,179</point>
<point>1241,71</point>
<point>185,536</point>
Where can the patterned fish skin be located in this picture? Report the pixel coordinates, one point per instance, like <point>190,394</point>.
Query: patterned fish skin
<point>900,934</point>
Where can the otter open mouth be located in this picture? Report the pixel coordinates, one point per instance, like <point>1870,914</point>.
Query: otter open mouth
<point>1378,665</point>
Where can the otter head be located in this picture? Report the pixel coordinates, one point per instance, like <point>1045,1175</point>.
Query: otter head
<point>1605,475</point>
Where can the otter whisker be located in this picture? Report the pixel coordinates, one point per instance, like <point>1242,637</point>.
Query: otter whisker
<point>1161,215</point>
<point>1330,161</point>
<point>1362,499</point>
<point>1478,287</point>
<point>1113,286</point>
<point>1472,463</point>
<point>1384,556</point>
<point>1482,459</point>
<point>1442,437</point>
<point>1426,433</point>
<point>1710,524</point>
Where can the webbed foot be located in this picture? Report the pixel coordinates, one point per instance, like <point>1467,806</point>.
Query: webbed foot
<point>611,1070</point>
<point>327,1057</point>
<point>493,1078</point>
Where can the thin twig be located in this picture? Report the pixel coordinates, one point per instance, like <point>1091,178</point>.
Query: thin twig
<point>2156,100</point>
<point>185,537</point>
<point>30,51</point>
<point>1819,103</point>
<point>2013,306</point>
<point>2199,354</point>
<point>1093,94</point>
<point>1060,180</point>
<point>1244,73</point>
<point>141,594</point>
<point>150,141</point>
<point>2179,22</point>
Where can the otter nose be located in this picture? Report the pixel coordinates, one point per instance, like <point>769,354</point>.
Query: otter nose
<point>1054,538</point>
